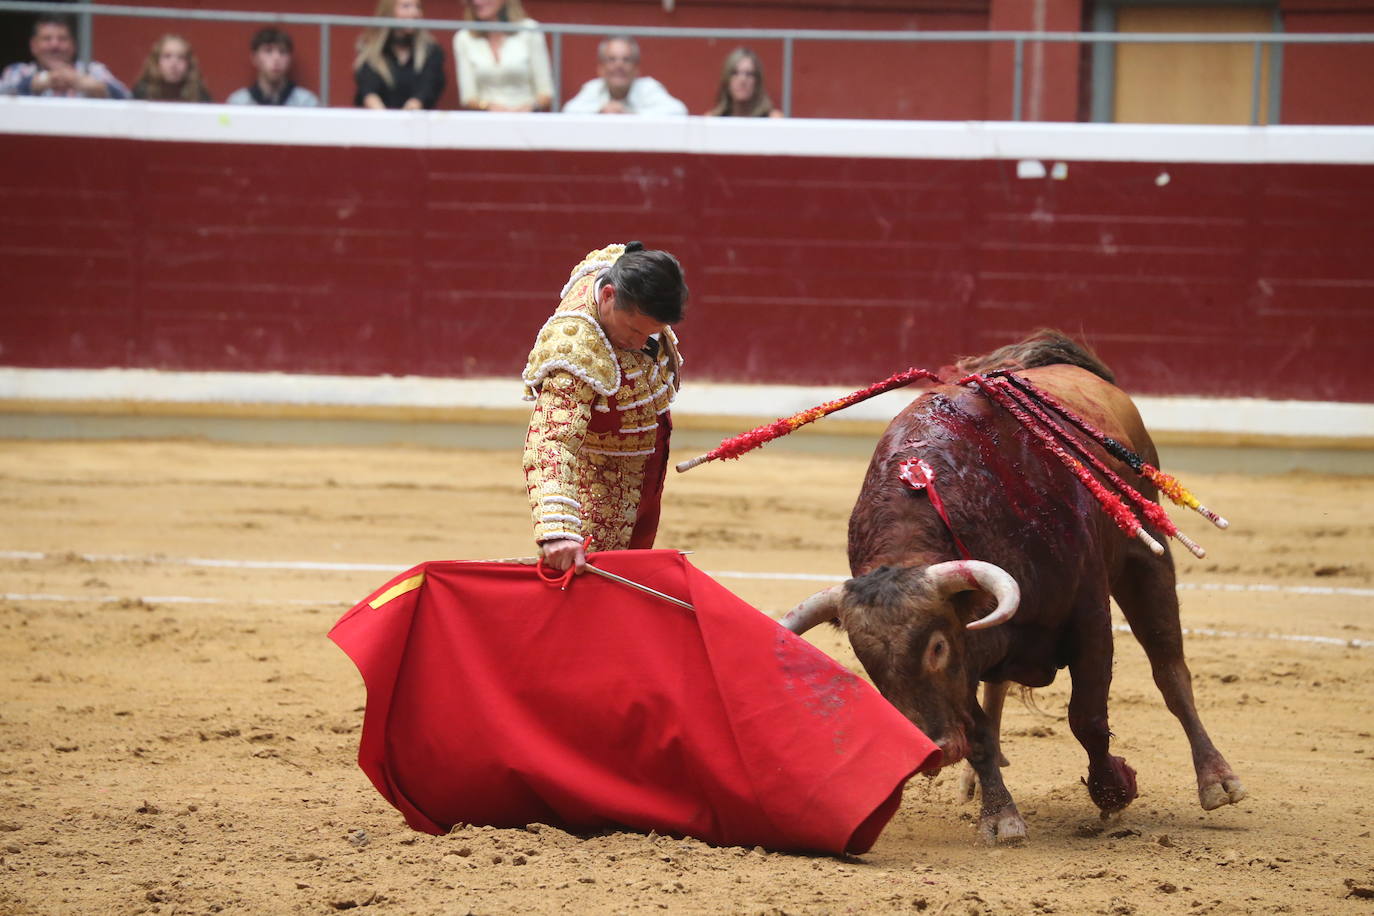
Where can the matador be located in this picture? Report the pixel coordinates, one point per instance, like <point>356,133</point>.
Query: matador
<point>603,372</point>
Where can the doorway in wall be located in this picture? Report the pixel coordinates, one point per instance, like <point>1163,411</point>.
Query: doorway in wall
<point>1186,82</point>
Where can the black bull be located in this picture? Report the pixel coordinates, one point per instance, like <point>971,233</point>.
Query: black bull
<point>923,622</point>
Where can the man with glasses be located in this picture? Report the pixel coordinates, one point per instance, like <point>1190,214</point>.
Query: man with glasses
<point>619,89</point>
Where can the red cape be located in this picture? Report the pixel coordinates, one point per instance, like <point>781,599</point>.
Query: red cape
<point>495,698</point>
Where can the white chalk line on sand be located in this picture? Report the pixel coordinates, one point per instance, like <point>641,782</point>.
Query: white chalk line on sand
<point>1282,637</point>
<point>1181,586</point>
<point>726,574</point>
<point>188,599</point>
<point>325,566</point>
<point>165,599</point>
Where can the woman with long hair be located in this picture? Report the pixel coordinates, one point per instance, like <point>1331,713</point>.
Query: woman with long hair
<point>401,67</point>
<point>171,73</point>
<point>741,93</point>
<point>502,71</point>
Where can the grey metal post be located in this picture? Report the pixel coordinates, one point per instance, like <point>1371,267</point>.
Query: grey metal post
<point>557,71</point>
<point>1104,66</point>
<point>787,76</point>
<point>1276,84</point>
<point>1256,84</point>
<point>1019,56</point>
<point>84,23</point>
<point>1276,72</point>
<point>324,63</point>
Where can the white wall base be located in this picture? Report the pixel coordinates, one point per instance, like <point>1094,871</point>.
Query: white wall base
<point>1240,417</point>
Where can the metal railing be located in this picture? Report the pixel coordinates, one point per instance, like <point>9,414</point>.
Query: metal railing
<point>789,38</point>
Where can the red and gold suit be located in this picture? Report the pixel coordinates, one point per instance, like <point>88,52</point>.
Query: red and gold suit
<point>597,448</point>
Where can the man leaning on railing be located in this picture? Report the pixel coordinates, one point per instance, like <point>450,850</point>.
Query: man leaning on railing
<point>618,87</point>
<point>55,71</point>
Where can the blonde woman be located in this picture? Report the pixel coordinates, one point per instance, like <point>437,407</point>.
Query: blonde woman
<point>401,67</point>
<point>502,71</point>
<point>741,93</point>
<point>171,73</point>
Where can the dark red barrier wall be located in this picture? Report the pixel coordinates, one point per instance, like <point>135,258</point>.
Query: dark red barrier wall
<point>1228,280</point>
<point>1328,84</point>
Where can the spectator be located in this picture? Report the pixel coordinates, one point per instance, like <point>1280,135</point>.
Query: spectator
<point>55,71</point>
<point>398,68</point>
<point>271,52</point>
<point>171,73</point>
<point>741,93</point>
<point>502,71</point>
<point>620,89</point>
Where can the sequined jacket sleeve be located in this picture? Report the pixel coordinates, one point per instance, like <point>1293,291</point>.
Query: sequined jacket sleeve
<point>557,429</point>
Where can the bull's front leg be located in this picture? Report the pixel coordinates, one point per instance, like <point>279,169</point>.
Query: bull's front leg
<point>1111,781</point>
<point>999,821</point>
<point>994,699</point>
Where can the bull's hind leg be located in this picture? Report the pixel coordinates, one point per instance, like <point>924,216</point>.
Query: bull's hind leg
<point>1148,598</point>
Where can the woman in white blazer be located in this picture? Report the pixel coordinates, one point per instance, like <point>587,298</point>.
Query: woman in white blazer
<point>502,71</point>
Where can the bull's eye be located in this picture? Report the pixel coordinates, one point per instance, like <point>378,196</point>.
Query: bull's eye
<point>937,653</point>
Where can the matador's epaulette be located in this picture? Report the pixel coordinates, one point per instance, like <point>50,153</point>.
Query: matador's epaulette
<point>593,262</point>
<point>575,343</point>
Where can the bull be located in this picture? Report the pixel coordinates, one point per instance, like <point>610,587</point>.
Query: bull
<point>928,626</point>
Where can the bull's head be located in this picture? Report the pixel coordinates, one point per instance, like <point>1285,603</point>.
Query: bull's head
<point>907,626</point>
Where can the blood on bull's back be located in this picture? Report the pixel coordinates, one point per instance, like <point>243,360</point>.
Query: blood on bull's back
<point>1000,496</point>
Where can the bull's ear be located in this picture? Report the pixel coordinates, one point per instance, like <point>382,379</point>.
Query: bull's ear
<point>967,575</point>
<point>819,608</point>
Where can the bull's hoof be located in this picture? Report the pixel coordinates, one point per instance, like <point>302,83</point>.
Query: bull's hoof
<point>1112,787</point>
<point>1227,792</point>
<point>1002,828</point>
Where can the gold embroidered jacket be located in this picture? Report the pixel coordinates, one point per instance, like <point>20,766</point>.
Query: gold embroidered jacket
<point>596,415</point>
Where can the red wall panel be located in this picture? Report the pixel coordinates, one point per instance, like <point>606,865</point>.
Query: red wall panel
<point>1226,280</point>
<point>1328,84</point>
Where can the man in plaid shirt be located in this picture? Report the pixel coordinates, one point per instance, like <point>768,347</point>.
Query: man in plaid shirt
<point>55,71</point>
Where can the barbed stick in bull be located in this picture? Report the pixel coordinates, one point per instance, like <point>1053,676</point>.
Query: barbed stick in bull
<point>1116,509</point>
<point>1027,404</point>
<point>1167,483</point>
<point>736,446</point>
<point>1152,511</point>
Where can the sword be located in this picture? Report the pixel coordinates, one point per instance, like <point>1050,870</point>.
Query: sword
<point>532,561</point>
<point>638,587</point>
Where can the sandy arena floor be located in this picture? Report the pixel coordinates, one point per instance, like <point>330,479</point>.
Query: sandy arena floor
<point>180,738</point>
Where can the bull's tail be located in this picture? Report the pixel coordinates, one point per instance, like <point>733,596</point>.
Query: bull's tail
<point>1046,347</point>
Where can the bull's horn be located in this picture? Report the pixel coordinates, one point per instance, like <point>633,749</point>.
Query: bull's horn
<point>965,575</point>
<point>819,608</point>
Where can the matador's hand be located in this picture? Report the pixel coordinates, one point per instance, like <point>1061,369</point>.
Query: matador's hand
<point>564,553</point>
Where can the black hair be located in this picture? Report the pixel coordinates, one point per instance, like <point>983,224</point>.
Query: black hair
<point>62,19</point>
<point>272,36</point>
<point>650,281</point>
